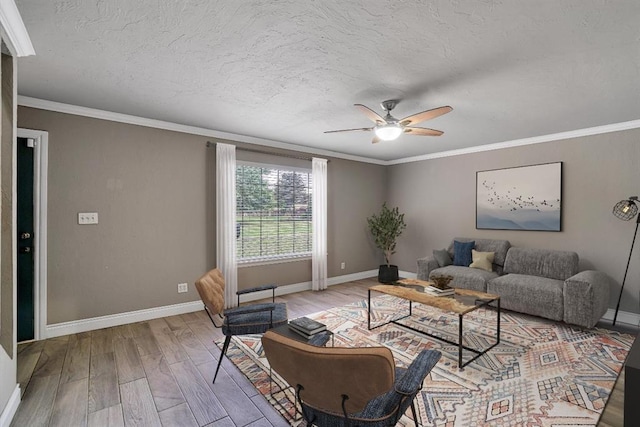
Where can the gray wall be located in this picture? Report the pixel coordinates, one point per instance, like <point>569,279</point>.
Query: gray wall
<point>438,198</point>
<point>153,191</point>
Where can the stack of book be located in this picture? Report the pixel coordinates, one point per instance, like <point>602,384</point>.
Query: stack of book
<point>306,327</point>
<point>437,292</point>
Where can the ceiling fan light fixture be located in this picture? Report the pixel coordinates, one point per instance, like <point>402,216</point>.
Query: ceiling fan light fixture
<point>388,132</point>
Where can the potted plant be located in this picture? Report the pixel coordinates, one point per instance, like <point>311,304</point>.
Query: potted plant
<point>386,227</point>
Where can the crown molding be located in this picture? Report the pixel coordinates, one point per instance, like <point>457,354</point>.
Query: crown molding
<point>616,127</point>
<point>59,107</point>
<point>14,29</point>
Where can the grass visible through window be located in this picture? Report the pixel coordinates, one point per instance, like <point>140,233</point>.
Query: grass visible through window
<point>274,212</point>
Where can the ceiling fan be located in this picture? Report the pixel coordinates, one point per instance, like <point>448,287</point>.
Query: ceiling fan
<point>390,128</point>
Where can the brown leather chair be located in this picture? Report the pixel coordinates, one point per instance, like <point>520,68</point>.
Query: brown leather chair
<point>241,320</point>
<point>348,386</point>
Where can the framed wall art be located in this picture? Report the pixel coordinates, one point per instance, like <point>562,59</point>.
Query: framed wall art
<point>520,198</point>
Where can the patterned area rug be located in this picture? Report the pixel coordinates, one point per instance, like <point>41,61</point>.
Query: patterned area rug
<point>541,374</point>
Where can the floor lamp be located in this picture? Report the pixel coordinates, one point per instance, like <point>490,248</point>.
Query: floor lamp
<point>626,210</point>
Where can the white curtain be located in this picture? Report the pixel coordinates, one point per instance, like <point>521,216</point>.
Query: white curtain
<point>319,212</point>
<point>226,220</point>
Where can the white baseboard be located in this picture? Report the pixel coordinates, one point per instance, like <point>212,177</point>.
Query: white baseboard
<point>10,409</point>
<point>84,325</point>
<point>306,286</point>
<point>351,277</point>
<point>407,274</point>
<point>631,319</point>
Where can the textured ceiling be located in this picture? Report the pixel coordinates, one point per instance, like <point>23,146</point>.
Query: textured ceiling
<point>289,70</point>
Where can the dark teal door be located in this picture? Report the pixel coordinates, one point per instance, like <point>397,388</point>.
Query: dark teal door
<point>24,206</point>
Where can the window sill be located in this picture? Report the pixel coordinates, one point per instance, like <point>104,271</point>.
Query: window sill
<point>273,260</point>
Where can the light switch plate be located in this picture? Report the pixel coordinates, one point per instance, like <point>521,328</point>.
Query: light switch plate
<point>85,218</point>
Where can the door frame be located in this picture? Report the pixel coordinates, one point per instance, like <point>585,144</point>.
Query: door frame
<point>41,166</point>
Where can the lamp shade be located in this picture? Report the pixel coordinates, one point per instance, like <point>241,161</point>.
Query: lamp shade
<point>626,209</point>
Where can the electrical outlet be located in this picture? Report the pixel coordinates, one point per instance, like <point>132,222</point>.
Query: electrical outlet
<point>343,265</point>
<point>86,218</point>
<point>182,288</point>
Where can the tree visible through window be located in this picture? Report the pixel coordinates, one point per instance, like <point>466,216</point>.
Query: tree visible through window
<point>273,211</point>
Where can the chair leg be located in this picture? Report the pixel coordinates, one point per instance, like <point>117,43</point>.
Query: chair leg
<point>227,340</point>
<point>413,411</point>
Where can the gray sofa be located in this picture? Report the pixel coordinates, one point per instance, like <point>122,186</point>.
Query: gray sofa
<point>465,277</point>
<point>540,282</point>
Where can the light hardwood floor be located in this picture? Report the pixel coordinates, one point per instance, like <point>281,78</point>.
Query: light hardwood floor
<point>150,373</point>
<point>159,372</point>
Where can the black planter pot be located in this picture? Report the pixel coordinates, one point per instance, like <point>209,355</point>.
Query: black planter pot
<point>387,273</point>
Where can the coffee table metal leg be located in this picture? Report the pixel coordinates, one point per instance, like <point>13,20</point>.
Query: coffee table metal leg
<point>498,324</point>
<point>460,341</point>
<point>369,310</point>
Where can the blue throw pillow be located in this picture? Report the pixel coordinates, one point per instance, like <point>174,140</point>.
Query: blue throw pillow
<point>462,253</point>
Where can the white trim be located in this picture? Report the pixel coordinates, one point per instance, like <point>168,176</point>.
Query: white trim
<point>631,319</point>
<point>351,277</point>
<point>616,127</point>
<point>43,104</point>
<point>11,407</point>
<point>40,180</point>
<point>306,286</point>
<point>407,274</point>
<point>14,29</point>
<point>59,107</point>
<point>84,325</point>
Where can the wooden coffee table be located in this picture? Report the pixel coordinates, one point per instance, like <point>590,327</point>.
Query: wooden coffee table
<point>462,302</point>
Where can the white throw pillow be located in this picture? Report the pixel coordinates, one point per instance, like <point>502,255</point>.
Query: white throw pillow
<point>482,260</point>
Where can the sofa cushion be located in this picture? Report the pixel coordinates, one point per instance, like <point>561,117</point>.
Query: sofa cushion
<point>539,296</point>
<point>500,247</point>
<point>462,253</point>
<point>558,265</point>
<point>482,260</point>
<point>442,257</point>
<point>465,277</point>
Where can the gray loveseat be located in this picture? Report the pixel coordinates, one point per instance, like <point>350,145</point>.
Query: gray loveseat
<point>540,282</point>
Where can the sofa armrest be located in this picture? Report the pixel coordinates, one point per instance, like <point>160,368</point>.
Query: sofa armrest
<point>425,267</point>
<point>586,297</point>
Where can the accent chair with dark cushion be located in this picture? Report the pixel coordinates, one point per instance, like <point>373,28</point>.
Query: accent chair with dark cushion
<point>242,320</point>
<point>348,386</point>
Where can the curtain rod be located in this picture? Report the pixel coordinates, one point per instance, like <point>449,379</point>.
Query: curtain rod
<point>253,150</point>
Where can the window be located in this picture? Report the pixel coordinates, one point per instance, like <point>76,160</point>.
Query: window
<point>273,212</point>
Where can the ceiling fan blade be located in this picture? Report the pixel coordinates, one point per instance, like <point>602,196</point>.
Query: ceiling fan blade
<point>375,139</point>
<point>422,131</point>
<point>425,115</point>
<point>347,130</point>
<point>372,115</point>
